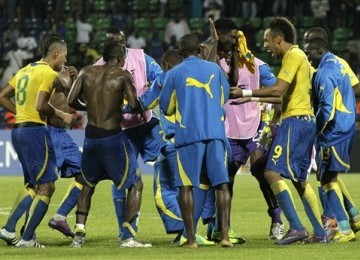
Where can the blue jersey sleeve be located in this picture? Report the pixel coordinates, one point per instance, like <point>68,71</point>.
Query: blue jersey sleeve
<point>152,68</point>
<point>267,78</point>
<point>167,99</point>
<point>324,89</point>
<point>151,97</point>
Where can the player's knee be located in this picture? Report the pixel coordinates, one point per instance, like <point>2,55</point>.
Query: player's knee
<point>46,189</point>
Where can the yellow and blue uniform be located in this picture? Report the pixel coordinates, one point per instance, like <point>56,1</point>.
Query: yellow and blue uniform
<point>290,153</point>
<point>195,92</point>
<point>30,136</point>
<point>32,143</point>
<point>335,108</point>
<point>165,192</point>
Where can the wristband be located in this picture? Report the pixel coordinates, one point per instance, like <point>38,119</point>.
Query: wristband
<point>256,99</point>
<point>247,93</point>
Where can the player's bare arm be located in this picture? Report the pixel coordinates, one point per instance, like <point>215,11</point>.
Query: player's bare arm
<point>76,91</point>
<point>6,94</point>
<point>277,90</point>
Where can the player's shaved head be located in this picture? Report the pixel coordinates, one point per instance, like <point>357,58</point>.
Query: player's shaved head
<point>189,44</point>
<point>112,50</point>
<point>316,32</point>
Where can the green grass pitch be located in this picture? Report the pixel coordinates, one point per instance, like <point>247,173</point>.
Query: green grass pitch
<point>249,219</point>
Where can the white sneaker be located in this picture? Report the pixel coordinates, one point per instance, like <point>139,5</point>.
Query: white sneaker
<point>30,243</point>
<point>277,231</point>
<point>9,237</point>
<point>131,242</point>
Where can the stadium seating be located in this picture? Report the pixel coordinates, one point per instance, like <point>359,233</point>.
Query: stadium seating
<point>142,23</point>
<point>196,23</point>
<point>238,21</point>
<point>342,33</point>
<point>255,22</point>
<point>308,21</point>
<point>160,23</point>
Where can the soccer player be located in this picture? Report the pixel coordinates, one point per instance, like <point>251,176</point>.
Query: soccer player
<point>68,155</point>
<point>243,123</point>
<point>195,92</point>
<point>314,32</point>
<point>328,218</point>
<point>335,109</point>
<point>165,192</point>
<point>107,154</point>
<point>145,137</point>
<point>32,87</point>
<point>290,153</point>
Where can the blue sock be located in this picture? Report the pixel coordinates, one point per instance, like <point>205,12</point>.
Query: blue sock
<point>70,199</point>
<point>129,230</point>
<point>327,212</point>
<point>37,212</point>
<point>283,196</point>
<point>21,205</point>
<point>335,198</point>
<point>119,199</point>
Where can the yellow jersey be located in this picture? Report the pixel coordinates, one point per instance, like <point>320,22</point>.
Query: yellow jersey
<point>27,82</point>
<point>296,70</point>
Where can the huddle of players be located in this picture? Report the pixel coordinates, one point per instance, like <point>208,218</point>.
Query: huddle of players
<point>199,133</point>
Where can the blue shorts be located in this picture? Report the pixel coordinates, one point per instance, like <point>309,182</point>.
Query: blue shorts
<point>242,148</point>
<point>110,158</point>
<point>290,153</point>
<point>68,155</point>
<point>146,139</point>
<point>335,158</point>
<point>36,154</point>
<point>207,156</point>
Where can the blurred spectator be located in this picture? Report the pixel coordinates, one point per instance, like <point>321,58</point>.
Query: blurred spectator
<point>162,9</point>
<point>213,8</point>
<point>12,62</point>
<point>177,26</point>
<point>136,41</point>
<point>27,43</point>
<point>249,9</point>
<point>83,30</point>
<point>89,54</point>
<point>279,7</point>
<point>59,27</point>
<point>12,31</point>
<point>156,46</point>
<point>173,43</point>
<point>319,9</point>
